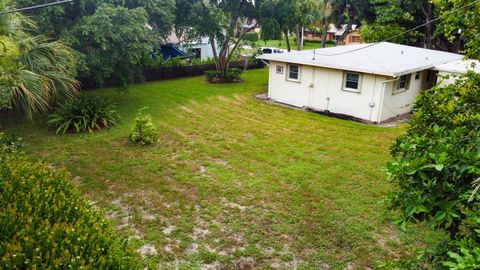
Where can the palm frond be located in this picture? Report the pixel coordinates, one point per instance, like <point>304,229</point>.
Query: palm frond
<point>45,70</point>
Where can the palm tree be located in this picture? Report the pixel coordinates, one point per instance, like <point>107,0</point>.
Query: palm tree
<point>35,73</point>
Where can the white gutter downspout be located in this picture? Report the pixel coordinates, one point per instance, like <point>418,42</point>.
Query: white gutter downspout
<point>381,97</point>
<point>269,76</point>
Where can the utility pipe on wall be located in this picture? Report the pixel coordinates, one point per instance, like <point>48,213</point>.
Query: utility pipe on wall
<point>381,97</point>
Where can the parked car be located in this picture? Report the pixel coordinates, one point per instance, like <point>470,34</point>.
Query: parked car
<point>267,50</point>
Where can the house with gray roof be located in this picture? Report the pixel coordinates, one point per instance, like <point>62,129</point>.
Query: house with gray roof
<point>369,82</point>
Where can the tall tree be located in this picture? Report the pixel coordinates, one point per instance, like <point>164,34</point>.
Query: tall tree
<point>354,11</point>
<point>461,28</point>
<point>283,13</point>
<point>70,22</point>
<point>326,18</point>
<point>218,21</point>
<point>407,14</point>
<point>34,72</point>
<point>53,21</point>
<point>112,44</point>
<point>306,13</point>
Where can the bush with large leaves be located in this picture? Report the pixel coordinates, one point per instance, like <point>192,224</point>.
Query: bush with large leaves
<point>435,165</point>
<point>86,114</point>
<point>34,72</point>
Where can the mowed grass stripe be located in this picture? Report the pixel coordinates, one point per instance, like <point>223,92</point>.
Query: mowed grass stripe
<point>235,177</point>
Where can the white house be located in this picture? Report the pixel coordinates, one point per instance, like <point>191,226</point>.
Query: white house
<point>371,82</point>
<point>201,48</point>
<point>449,72</point>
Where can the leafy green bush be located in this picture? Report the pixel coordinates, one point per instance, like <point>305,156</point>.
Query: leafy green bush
<point>251,36</point>
<point>9,143</point>
<point>435,165</point>
<point>466,254</point>
<point>215,76</point>
<point>88,113</point>
<point>203,61</point>
<point>144,131</point>
<point>46,224</point>
<point>331,42</point>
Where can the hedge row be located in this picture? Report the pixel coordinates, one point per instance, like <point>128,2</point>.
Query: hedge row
<point>46,224</point>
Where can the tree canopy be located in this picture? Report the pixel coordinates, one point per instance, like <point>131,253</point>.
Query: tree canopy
<point>111,44</point>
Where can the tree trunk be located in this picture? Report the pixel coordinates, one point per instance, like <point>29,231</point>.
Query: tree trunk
<point>298,35</point>
<point>287,40</point>
<point>214,50</point>
<point>351,18</point>
<point>429,27</point>
<point>324,34</point>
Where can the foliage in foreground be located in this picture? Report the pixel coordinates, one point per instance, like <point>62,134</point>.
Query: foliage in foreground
<point>86,114</point>
<point>45,223</point>
<point>436,166</point>
<point>34,72</point>
<point>144,131</point>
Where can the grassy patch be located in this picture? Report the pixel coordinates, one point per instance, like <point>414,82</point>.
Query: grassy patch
<point>308,45</point>
<point>234,180</point>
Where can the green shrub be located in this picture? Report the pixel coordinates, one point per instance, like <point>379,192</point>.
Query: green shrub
<point>202,61</point>
<point>215,76</point>
<point>435,165</point>
<point>87,113</point>
<point>144,131</point>
<point>251,36</point>
<point>9,143</point>
<point>46,224</point>
<point>331,42</point>
<point>466,254</point>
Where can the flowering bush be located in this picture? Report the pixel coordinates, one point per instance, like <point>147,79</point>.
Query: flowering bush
<point>46,224</point>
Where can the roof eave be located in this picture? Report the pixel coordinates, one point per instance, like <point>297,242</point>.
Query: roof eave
<point>388,74</point>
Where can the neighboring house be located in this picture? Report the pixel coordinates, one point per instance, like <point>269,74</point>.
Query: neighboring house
<point>335,34</point>
<point>169,51</point>
<point>200,49</point>
<point>371,82</point>
<point>449,72</point>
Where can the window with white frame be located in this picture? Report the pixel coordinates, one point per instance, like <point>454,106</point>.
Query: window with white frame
<point>279,69</point>
<point>352,81</point>
<point>402,84</point>
<point>293,73</point>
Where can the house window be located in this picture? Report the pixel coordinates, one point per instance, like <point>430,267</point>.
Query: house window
<point>417,75</point>
<point>279,69</point>
<point>293,73</point>
<point>402,84</point>
<point>351,81</point>
<point>355,39</point>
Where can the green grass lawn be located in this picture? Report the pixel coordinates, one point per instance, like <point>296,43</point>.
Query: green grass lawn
<point>308,45</point>
<point>233,177</point>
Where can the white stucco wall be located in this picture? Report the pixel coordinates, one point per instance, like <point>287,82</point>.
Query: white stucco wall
<point>398,103</point>
<point>322,89</point>
<point>204,46</point>
<point>451,78</point>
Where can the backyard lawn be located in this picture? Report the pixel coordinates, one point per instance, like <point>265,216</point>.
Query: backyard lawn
<point>308,45</point>
<point>235,181</point>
